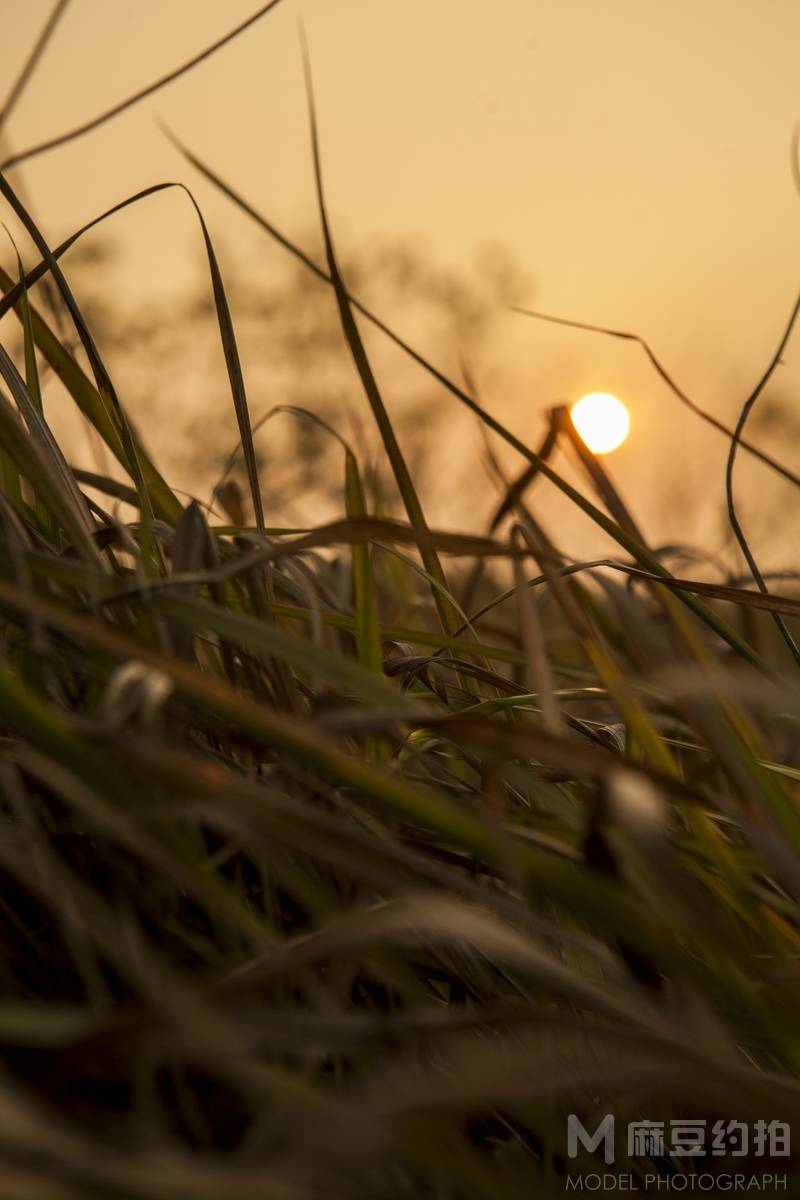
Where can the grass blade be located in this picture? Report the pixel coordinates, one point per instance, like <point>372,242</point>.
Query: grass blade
<point>637,552</point>
<point>31,62</point>
<point>96,408</point>
<point>366,605</point>
<point>395,455</point>
<point>142,94</point>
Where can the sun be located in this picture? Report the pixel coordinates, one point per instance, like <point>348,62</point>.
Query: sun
<point>602,421</point>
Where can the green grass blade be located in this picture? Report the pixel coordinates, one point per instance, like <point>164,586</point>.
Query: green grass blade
<point>96,408</point>
<point>150,550</point>
<point>638,553</point>
<point>368,638</point>
<point>235,377</point>
<point>395,455</point>
<point>31,462</point>
<point>29,343</point>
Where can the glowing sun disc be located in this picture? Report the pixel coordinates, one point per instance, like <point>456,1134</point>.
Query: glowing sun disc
<point>602,421</point>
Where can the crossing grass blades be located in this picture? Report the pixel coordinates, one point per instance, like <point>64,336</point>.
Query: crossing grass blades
<point>320,876</point>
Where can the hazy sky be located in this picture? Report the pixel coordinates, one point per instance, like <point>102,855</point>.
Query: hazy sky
<point>632,154</point>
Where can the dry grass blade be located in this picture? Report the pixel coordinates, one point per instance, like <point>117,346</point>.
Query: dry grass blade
<point>541,678</point>
<point>394,453</point>
<point>40,433</point>
<point>364,594</point>
<point>102,377</point>
<point>520,485</point>
<point>736,441</point>
<point>641,555</point>
<point>351,531</point>
<point>115,110</point>
<point>31,62</point>
<point>29,346</point>
<point>97,409</point>
<point>33,463</point>
<point>708,417</point>
<point>429,919</point>
<point>562,420</point>
<point>227,335</point>
<point>769,602</point>
<point>102,483</point>
<point>571,756</point>
<point>234,372</point>
<point>589,1062</point>
<point>14,292</point>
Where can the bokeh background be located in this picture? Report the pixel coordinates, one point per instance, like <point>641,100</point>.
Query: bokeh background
<point>625,163</point>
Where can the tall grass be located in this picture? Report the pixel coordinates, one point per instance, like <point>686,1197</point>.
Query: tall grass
<point>318,882</point>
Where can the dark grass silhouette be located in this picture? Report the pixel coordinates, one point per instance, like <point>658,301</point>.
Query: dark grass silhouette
<point>303,896</point>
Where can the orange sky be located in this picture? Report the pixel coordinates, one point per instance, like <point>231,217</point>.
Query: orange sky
<point>632,154</point>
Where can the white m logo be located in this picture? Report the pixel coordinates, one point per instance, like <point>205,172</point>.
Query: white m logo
<point>604,1133</point>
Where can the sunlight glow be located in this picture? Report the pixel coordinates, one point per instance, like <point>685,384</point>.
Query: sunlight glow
<point>602,421</point>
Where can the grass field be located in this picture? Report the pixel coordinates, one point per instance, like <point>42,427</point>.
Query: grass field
<point>321,877</point>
